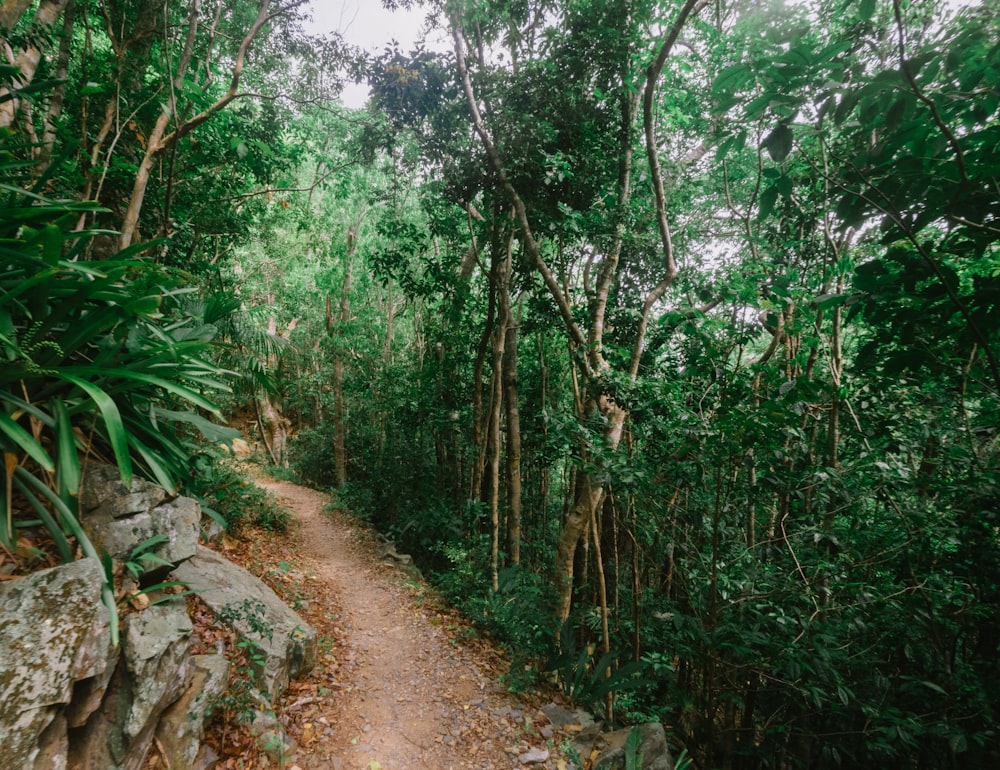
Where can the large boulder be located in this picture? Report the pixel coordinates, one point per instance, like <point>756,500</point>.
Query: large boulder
<point>54,632</point>
<point>153,672</point>
<point>118,518</point>
<point>286,642</point>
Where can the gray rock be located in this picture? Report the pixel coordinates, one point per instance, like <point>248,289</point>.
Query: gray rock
<point>211,530</point>
<point>206,759</point>
<point>53,744</point>
<point>153,672</point>
<point>156,655</point>
<point>560,717</point>
<point>653,748</point>
<point>88,693</point>
<point>251,607</point>
<point>182,725</point>
<point>102,489</point>
<point>53,632</point>
<point>120,533</point>
<point>583,741</point>
<point>534,757</point>
<point>277,745</point>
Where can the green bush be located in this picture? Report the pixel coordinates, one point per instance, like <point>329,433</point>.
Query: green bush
<point>231,499</point>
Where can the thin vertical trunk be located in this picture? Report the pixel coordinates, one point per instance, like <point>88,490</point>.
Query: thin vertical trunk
<point>390,319</point>
<point>543,386</point>
<point>272,422</point>
<point>602,587</point>
<point>56,101</point>
<point>501,268</point>
<point>30,57</point>
<point>339,429</point>
<point>478,416</point>
<point>513,430</point>
<point>836,370</point>
<point>594,366</point>
<point>159,140</point>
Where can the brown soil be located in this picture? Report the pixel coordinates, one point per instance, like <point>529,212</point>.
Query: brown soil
<point>402,683</point>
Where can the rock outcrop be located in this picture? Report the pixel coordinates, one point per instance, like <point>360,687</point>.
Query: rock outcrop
<point>607,750</point>
<point>286,642</point>
<point>182,725</point>
<point>69,700</point>
<point>153,671</point>
<point>54,633</point>
<point>118,519</point>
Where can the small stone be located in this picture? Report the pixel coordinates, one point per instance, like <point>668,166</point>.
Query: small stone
<point>534,757</point>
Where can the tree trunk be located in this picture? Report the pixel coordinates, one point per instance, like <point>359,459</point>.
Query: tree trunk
<point>589,345</point>
<point>30,57</point>
<point>339,428</point>
<point>589,496</point>
<point>56,101</point>
<point>501,268</point>
<point>510,397</point>
<point>478,416</point>
<point>11,12</point>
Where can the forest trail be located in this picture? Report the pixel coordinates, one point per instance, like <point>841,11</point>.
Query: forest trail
<point>399,686</point>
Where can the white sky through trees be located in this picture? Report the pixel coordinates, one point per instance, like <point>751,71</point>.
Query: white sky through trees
<point>366,24</point>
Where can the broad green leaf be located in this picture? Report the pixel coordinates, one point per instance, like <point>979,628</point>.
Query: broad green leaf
<point>149,379</point>
<point>213,432</point>
<point>20,437</point>
<point>117,436</point>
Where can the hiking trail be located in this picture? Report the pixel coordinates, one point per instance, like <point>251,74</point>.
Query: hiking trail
<point>402,682</point>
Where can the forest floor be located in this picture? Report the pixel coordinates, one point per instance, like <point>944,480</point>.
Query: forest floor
<point>403,682</point>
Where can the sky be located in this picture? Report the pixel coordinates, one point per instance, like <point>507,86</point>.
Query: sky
<point>365,23</point>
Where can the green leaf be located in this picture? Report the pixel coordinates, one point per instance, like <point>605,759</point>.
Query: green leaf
<point>213,432</point>
<point>766,203</point>
<point>26,441</point>
<point>69,459</point>
<point>150,379</point>
<point>117,436</point>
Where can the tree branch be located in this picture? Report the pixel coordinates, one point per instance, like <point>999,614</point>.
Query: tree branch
<point>519,208</point>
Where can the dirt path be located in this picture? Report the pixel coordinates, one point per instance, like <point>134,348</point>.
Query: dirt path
<point>395,688</point>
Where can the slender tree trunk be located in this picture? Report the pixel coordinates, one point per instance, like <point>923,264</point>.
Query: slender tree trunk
<point>272,422</point>
<point>602,587</point>
<point>513,430</point>
<point>56,101</point>
<point>478,416</point>
<point>594,366</point>
<point>589,496</point>
<point>28,58</point>
<point>339,428</point>
<point>543,396</point>
<point>501,268</point>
